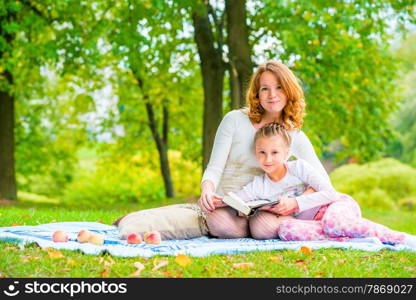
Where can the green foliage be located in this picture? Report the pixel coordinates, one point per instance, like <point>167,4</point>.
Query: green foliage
<point>338,49</point>
<point>121,179</point>
<point>384,184</point>
<point>408,203</point>
<point>403,146</point>
<point>145,53</point>
<point>49,129</point>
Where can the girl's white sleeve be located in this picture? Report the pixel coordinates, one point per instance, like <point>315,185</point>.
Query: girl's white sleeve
<point>251,190</point>
<point>302,148</point>
<point>220,150</point>
<point>325,192</point>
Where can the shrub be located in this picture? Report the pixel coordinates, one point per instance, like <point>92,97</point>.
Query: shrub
<point>384,184</point>
<point>408,203</point>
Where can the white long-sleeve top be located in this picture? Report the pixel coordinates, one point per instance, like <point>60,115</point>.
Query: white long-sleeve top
<point>299,176</point>
<point>233,162</point>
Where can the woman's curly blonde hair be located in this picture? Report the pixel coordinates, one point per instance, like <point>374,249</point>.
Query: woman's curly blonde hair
<point>293,112</point>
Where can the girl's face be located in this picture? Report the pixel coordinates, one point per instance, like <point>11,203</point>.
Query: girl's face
<point>271,94</point>
<point>271,153</point>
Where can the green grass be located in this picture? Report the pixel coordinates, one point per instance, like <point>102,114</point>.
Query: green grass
<point>33,261</point>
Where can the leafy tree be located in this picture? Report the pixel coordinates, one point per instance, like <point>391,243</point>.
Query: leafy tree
<point>37,119</point>
<point>19,24</point>
<point>339,49</point>
<point>147,48</point>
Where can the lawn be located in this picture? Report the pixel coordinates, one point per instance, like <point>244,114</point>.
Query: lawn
<point>32,261</point>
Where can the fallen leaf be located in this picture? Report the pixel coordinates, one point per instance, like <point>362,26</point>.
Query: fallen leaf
<point>183,260</point>
<point>111,260</point>
<point>71,262</point>
<point>106,263</point>
<point>275,258</point>
<point>243,265</point>
<point>66,269</point>
<point>306,250</point>
<point>139,266</point>
<point>160,264</point>
<point>302,264</point>
<point>319,274</point>
<point>55,254</point>
<point>105,273</point>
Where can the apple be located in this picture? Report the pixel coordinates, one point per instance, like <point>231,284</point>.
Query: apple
<point>83,236</point>
<point>152,237</point>
<point>60,236</point>
<point>134,238</point>
<point>96,239</point>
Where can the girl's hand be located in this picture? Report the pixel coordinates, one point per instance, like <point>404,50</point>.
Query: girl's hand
<point>284,208</point>
<point>309,190</point>
<point>209,201</point>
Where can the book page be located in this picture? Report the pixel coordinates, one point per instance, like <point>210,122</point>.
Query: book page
<point>258,202</point>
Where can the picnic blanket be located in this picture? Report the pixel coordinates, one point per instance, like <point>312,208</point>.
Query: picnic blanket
<point>201,246</point>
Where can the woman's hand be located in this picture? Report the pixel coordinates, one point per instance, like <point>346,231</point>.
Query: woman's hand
<point>285,207</point>
<point>209,201</point>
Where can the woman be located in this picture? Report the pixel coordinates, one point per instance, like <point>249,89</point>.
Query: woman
<point>274,95</point>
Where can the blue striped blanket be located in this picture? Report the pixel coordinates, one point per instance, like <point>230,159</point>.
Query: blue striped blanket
<point>202,246</point>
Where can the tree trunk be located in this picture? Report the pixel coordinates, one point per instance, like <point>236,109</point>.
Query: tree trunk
<point>240,66</point>
<point>212,69</point>
<point>235,93</point>
<point>162,148</point>
<point>7,168</point>
<point>161,141</point>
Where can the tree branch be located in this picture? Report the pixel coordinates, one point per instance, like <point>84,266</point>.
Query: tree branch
<point>37,11</point>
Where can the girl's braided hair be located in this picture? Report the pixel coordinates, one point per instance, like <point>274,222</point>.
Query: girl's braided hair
<point>273,129</point>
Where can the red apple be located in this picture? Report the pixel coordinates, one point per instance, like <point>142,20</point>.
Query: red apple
<point>152,237</point>
<point>83,236</point>
<point>60,236</point>
<point>134,238</point>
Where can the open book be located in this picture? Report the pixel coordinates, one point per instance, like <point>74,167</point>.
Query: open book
<point>247,208</point>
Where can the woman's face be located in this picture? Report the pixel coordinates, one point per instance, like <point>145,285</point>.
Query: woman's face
<point>271,94</point>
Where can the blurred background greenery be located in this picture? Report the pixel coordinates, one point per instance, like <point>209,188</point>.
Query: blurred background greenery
<point>116,102</point>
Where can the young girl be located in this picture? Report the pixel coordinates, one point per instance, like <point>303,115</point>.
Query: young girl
<point>314,216</point>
